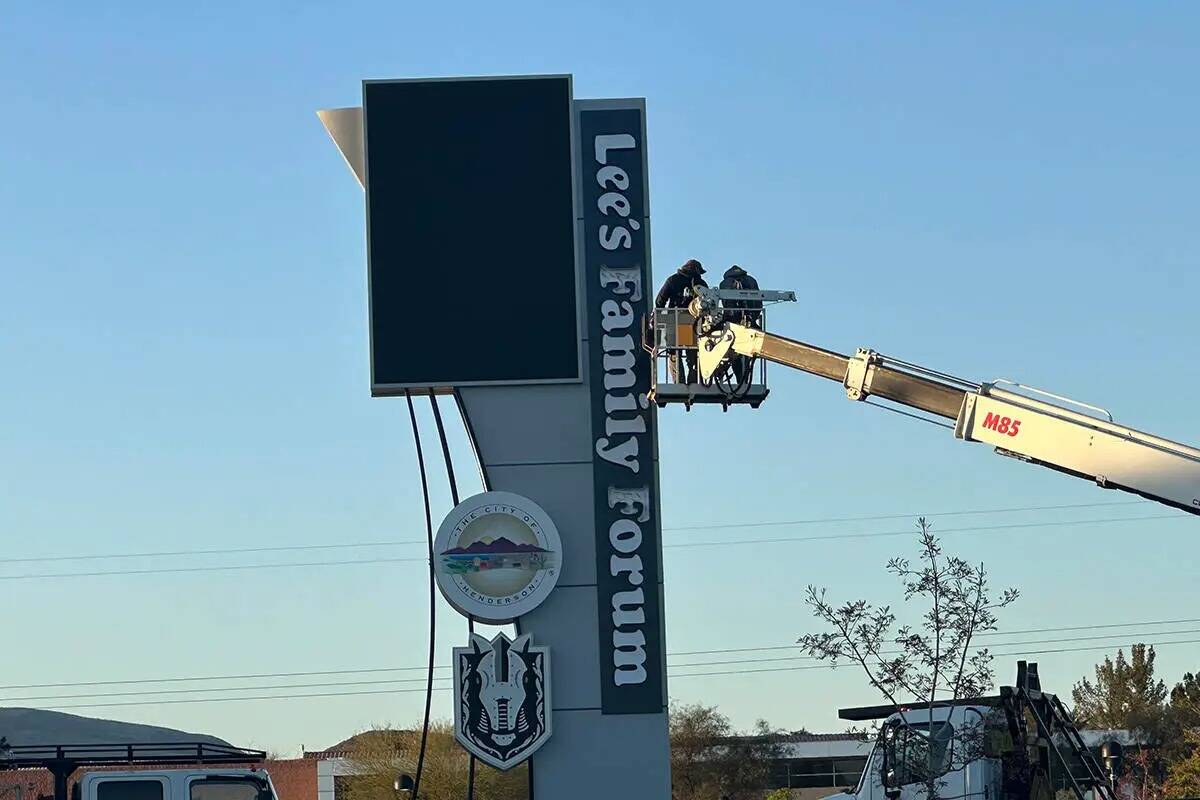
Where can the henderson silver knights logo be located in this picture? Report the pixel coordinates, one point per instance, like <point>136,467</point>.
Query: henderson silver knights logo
<point>502,707</point>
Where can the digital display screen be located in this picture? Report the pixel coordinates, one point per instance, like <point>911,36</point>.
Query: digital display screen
<point>470,232</point>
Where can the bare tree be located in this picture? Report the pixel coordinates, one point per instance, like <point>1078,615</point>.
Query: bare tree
<point>1142,778</point>
<point>934,662</point>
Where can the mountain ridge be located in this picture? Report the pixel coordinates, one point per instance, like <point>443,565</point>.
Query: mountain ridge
<point>30,726</point>
<point>494,547</point>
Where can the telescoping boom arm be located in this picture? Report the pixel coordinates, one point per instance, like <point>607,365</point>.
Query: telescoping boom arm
<point>1021,422</point>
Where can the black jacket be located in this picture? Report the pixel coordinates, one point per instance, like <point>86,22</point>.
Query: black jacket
<point>677,290</point>
<point>737,278</point>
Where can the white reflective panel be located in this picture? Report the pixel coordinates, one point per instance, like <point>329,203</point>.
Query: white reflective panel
<point>345,127</point>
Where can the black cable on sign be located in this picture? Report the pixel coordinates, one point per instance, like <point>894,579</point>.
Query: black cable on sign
<point>412,415</point>
<point>470,429</point>
<point>437,418</point>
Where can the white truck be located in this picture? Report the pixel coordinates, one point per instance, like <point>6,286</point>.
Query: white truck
<point>157,771</point>
<point>894,765</point>
<point>177,784</point>
<point>1018,745</point>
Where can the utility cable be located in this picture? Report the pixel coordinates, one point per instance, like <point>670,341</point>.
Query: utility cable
<point>674,675</point>
<point>671,667</point>
<point>844,666</point>
<point>985,633</point>
<point>235,699</point>
<point>911,515</point>
<point>899,652</point>
<point>219,568</point>
<point>777,540</point>
<point>1013,526</point>
<point>437,418</point>
<point>378,670</point>
<point>486,486</point>
<point>412,416</point>
<point>201,678</point>
<point>214,552</point>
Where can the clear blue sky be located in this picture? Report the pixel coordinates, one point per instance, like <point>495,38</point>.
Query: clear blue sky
<point>991,191</point>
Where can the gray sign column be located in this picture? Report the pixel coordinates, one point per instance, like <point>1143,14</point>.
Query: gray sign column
<point>588,454</point>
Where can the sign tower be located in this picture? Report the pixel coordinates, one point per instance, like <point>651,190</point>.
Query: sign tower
<point>508,240</point>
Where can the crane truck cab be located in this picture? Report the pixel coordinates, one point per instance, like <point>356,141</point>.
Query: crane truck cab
<point>1018,745</point>
<point>176,784</point>
<point>905,748</point>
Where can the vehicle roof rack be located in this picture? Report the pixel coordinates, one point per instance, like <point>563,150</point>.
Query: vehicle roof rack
<point>63,759</point>
<point>13,756</point>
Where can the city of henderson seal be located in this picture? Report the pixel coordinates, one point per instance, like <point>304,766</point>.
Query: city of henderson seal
<point>497,556</point>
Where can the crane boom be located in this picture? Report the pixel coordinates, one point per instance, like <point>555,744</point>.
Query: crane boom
<point>887,383</point>
<point>1047,431</point>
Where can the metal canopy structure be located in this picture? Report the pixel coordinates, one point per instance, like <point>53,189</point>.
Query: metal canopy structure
<point>61,760</point>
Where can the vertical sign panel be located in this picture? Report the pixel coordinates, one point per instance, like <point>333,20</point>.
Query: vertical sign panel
<point>470,232</point>
<point>617,275</point>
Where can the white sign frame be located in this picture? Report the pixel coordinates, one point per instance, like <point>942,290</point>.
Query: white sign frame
<point>469,601</point>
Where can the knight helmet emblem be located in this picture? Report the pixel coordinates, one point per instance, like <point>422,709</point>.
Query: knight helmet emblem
<point>502,703</point>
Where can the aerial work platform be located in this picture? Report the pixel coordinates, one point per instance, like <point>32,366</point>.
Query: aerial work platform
<point>674,331</point>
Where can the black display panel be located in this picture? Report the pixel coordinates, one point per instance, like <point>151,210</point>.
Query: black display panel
<point>470,232</point>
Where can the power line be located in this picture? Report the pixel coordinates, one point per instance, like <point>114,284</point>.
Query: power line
<point>415,559</point>
<point>447,688</point>
<point>1000,655</point>
<point>380,670</point>
<point>236,699</point>
<point>897,652</point>
<point>986,633</point>
<point>405,542</point>
<point>393,681</point>
<point>1088,627</point>
<point>1013,526</point>
<point>322,685</point>
<point>220,568</point>
<point>878,517</point>
<point>213,552</point>
<point>198,678</point>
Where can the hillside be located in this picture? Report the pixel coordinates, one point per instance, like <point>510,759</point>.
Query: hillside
<point>36,726</point>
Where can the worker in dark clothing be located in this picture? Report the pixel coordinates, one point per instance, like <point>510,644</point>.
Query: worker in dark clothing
<point>679,289</point>
<point>745,312</point>
<point>742,312</point>
<point>677,292</point>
